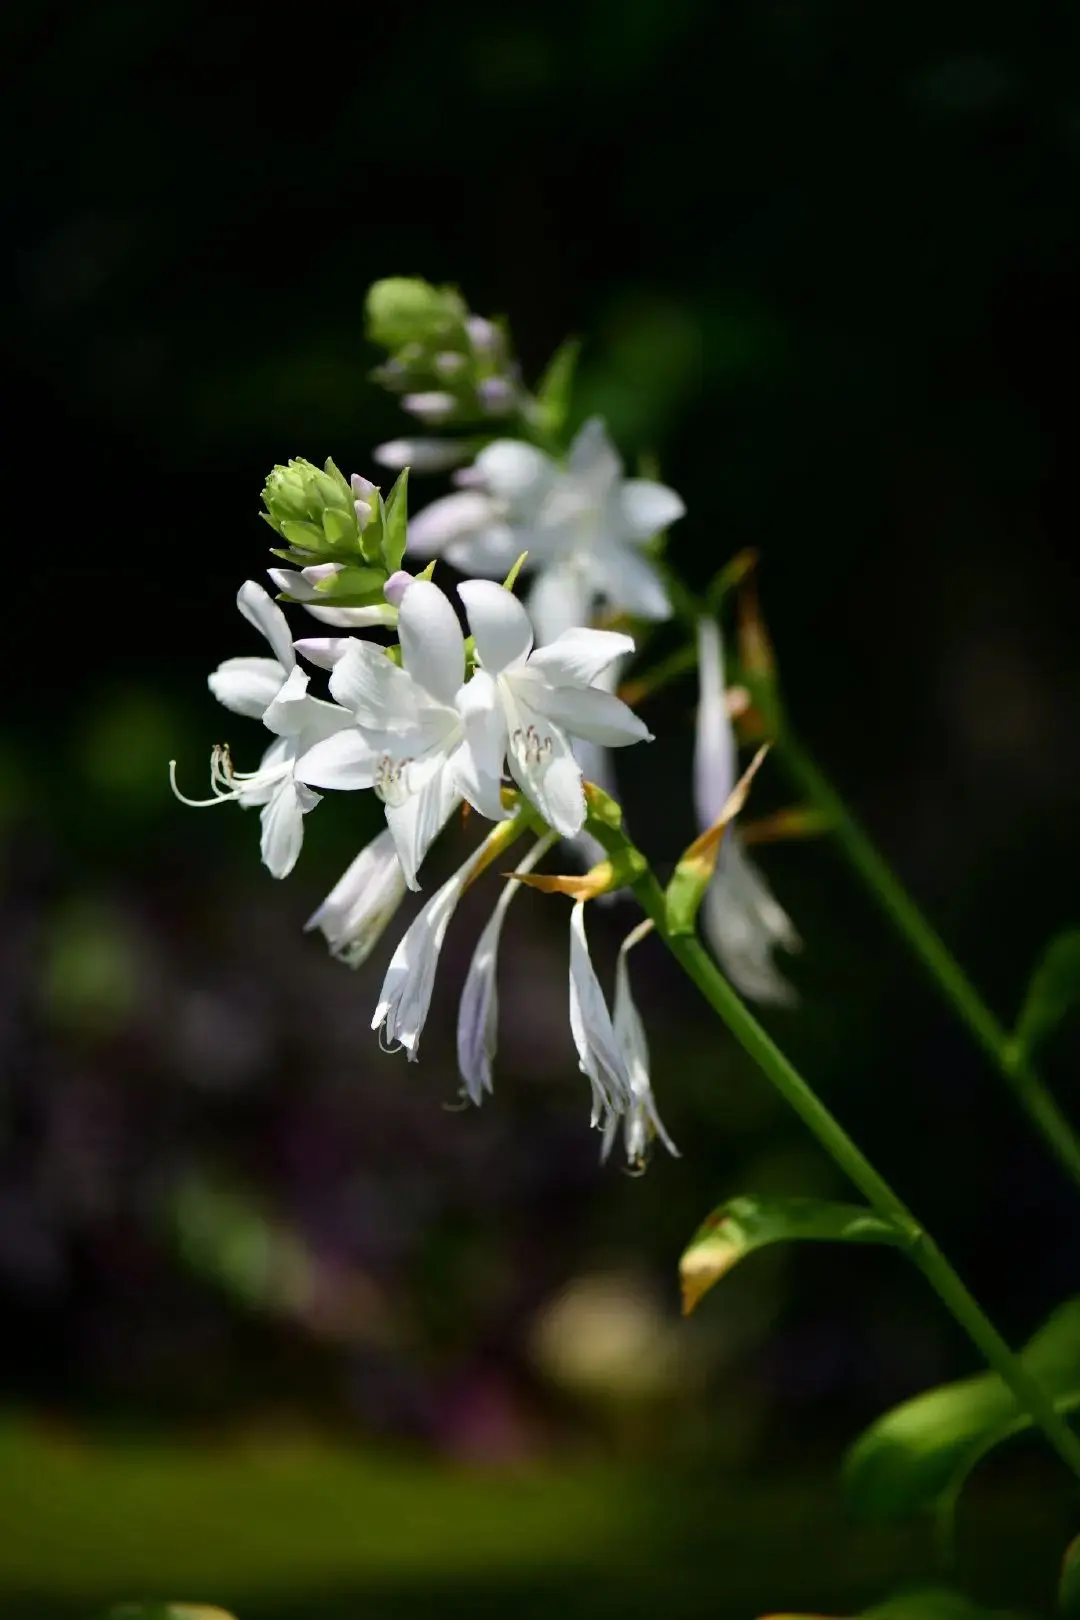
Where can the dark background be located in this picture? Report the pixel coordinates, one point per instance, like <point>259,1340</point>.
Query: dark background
<point>265,1303</point>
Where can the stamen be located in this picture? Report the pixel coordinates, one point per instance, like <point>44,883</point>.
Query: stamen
<point>198,804</point>
<point>391,1048</point>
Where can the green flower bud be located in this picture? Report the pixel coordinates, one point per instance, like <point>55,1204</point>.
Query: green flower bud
<point>313,509</point>
<point>405,309</point>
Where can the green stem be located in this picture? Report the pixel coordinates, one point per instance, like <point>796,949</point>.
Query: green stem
<point>925,1253</point>
<point>1015,1068</point>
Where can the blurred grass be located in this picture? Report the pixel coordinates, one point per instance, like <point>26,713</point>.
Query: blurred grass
<point>288,1529</point>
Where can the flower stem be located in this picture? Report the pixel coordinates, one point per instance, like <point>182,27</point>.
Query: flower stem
<point>1015,1069</point>
<point>924,1252</point>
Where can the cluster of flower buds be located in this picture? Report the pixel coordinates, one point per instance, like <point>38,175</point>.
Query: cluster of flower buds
<point>450,367</point>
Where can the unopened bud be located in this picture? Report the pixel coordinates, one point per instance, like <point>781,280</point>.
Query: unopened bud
<point>362,487</point>
<point>496,395</point>
<point>484,336</point>
<point>396,586</point>
<point>424,455</point>
<point>430,407</point>
<point>318,572</point>
<point>404,309</point>
<point>449,363</point>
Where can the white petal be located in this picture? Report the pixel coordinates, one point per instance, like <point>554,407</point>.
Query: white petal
<point>579,657</point>
<point>593,459</point>
<point>285,715</point>
<point>451,518</point>
<point>247,685</point>
<point>647,508</point>
<point>283,828</point>
<point>558,600</point>
<point>432,645</point>
<point>590,1024</point>
<point>319,720</point>
<point>345,760</point>
<point>322,651</point>
<point>406,990</point>
<point>642,1121</point>
<point>516,473</point>
<point>499,623</point>
<point>744,924</point>
<point>379,615</point>
<point>543,764</point>
<point>290,583</point>
<point>583,711</point>
<point>715,756</point>
<point>373,687</point>
<point>478,1011</point>
<point>258,609</point>
<point>423,455</point>
<point>362,902</point>
<point>629,582</point>
<point>479,760</point>
<point>490,552</point>
<point>418,820</point>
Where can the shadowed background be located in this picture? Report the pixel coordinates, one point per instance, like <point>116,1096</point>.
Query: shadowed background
<point>279,1330</point>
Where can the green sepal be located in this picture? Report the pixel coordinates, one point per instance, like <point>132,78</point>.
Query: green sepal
<point>917,1457</point>
<point>353,587</point>
<point>305,536</point>
<point>741,1225</point>
<point>554,392</point>
<point>1053,991</point>
<point>395,521</point>
<point>340,529</point>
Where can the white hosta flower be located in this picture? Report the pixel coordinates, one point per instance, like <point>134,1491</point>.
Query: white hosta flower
<point>742,920</point>
<point>582,523</point>
<point>600,1055</point>
<point>478,1013</point>
<point>359,906</point>
<point>641,1122</point>
<point>525,706</point>
<point>274,691</point>
<point>406,991</point>
<point>378,615</point>
<point>406,741</point>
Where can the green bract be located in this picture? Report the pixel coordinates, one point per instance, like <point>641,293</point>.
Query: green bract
<point>319,515</point>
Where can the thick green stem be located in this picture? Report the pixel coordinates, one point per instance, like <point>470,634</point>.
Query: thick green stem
<point>700,967</point>
<point>944,969</point>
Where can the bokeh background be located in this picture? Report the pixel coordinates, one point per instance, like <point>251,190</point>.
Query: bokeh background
<point>280,1331</point>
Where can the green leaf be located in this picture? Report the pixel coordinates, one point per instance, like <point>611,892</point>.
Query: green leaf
<point>395,523</point>
<point>917,1457</point>
<point>556,387</point>
<point>1069,1590</point>
<point>744,1224</point>
<point>1053,990</point>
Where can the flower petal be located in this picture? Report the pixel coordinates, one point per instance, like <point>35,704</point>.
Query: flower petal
<point>558,600</point>
<point>290,583</point>
<point>499,623</point>
<point>322,651</point>
<point>479,761</point>
<point>598,1051</point>
<point>450,518</point>
<point>346,761</point>
<point>362,901</point>
<point>715,754</point>
<point>422,455</point>
<point>584,711</point>
<point>283,827</point>
<point>579,657</point>
<point>418,820</point>
<point>258,609</point>
<point>593,460</point>
<point>543,764</point>
<point>646,508</point>
<point>247,685</point>
<point>629,582</point>
<point>515,473</point>
<point>379,615</point>
<point>406,990</point>
<point>285,715</point>
<point>744,923</point>
<point>432,645</point>
<point>377,691</point>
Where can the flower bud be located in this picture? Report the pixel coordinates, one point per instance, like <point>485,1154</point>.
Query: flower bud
<point>396,586</point>
<point>405,309</point>
<point>312,509</point>
<point>496,395</point>
<point>433,406</point>
<point>425,455</point>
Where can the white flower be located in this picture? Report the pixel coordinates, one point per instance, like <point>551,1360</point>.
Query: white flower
<point>583,525</point>
<point>274,691</point>
<point>362,902</point>
<point>406,992</point>
<point>478,1012</point>
<point>641,1122</point>
<point>301,588</point>
<point>741,917</point>
<point>406,741</point>
<point>423,455</point>
<point>600,1055</point>
<point>525,706</point>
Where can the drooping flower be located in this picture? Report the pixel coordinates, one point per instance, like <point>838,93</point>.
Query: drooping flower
<point>524,706</point>
<point>641,1122</point>
<point>583,524</point>
<point>600,1055</point>
<point>741,917</point>
<point>364,899</point>
<point>406,738</point>
<point>478,1012</point>
<point>273,690</point>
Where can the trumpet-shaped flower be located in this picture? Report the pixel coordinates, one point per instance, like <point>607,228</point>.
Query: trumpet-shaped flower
<point>525,707</point>
<point>641,1122</point>
<point>478,1012</point>
<point>273,690</point>
<point>406,740</point>
<point>359,906</point>
<point>742,919</point>
<point>583,524</point>
<point>600,1054</point>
